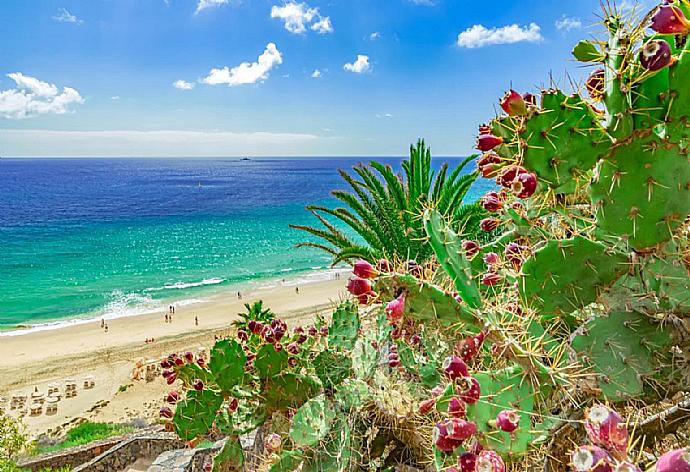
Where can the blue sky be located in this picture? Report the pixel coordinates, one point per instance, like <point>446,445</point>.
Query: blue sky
<point>149,77</point>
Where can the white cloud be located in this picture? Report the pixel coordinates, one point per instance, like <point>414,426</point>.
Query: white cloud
<point>64,16</point>
<point>316,74</point>
<point>360,66</point>
<point>33,97</point>
<point>115,97</point>
<point>183,85</point>
<point>247,73</point>
<point>479,36</point>
<point>567,23</point>
<point>204,4</point>
<point>297,16</point>
<point>426,3</point>
<point>385,115</point>
<point>374,36</point>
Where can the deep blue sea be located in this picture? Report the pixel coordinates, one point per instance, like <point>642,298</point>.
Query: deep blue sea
<point>112,237</point>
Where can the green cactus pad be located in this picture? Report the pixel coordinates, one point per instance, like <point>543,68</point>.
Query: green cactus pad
<point>230,457</point>
<point>668,279</point>
<point>642,193</point>
<point>587,51</point>
<point>426,303</point>
<point>448,249</point>
<point>227,363</point>
<point>623,349</point>
<point>418,364</point>
<point>342,333</point>
<point>336,454</point>
<point>563,141</point>
<point>352,393</point>
<point>332,367</point>
<point>248,417</point>
<point>507,389</point>
<point>196,413</point>
<point>290,390</point>
<point>269,362</point>
<point>188,373</point>
<point>566,275</point>
<point>288,461</point>
<point>312,421</point>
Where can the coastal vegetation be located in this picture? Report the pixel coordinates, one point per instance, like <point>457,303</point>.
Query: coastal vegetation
<point>85,433</point>
<point>562,344</point>
<point>382,209</point>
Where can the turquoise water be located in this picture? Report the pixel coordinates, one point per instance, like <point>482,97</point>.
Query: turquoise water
<point>112,237</point>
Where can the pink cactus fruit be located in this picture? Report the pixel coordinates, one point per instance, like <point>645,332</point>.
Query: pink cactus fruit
<point>469,390</point>
<point>456,408</point>
<point>467,461</point>
<point>441,439</point>
<point>591,459</point>
<point>468,348</point>
<point>383,265</point>
<point>471,248</point>
<point>491,278</point>
<point>395,309</point>
<point>606,428</point>
<point>595,84</point>
<point>514,104</point>
<point>508,420</point>
<point>459,429</point>
<point>524,185</point>
<point>172,397</point>
<point>669,19</point>
<point>490,461</point>
<point>166,412</point>
<point>484,129</point>
<point>491,202</point>
<point>358,286</point>
<point>426,406</point>
<point>455,368</point>
<point>514,254</point>
<point>489,224</point>
<point>655,55</point>
<point>364,270</point>
<point>489,164</point>
<point>677,460</point>
<point>486,142</point>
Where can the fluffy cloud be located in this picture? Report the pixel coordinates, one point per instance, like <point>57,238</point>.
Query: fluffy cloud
<point>316,74</point>
<point>204,4</point>
<point>183,85</point>
<point>297,16</point>
<point>64,16</point>
<point>33,97</point>
<point>374,36</point>
<point>247,73</point>
<point>360,66</point>
<point>567,24</point>
<point>479,36</point>
<point>426,3</point>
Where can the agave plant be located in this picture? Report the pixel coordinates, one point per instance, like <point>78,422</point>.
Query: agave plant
<point>384,209</point>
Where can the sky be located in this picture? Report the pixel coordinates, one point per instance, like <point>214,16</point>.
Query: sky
<point>187,78</point>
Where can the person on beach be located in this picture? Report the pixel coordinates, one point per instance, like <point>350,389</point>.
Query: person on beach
<point>239,296</point>
<point>297,290</point>
<point>166,317</point>
<point>105,327</point>
<point>196,321</point>
<point>102,323</point>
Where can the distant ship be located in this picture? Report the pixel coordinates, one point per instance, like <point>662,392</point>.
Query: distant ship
<point>245,159</point>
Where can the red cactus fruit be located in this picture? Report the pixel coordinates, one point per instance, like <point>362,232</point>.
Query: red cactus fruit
<point>172,397</point>
<point>441,439</point>
<point>189,357</point>
<point>358,286</point>
<point>233,405</point>
<point>166,364</point>
<point>456,408</point>
<point>426,406</point>
<point>179,361</point>
<point>490,461</point>
<point>491,202</point>
<point>413,268</point>
<point>468,348</point>
<point>201,362</point>
<point>324,331</point>
<point>484,129</point>
<point>491,258</point>
<point>292,348</point>
<point>627,467</point>
<point>277,347</point>
<point>489,164</point>
<point>606,428</point>
<point>669,19</point>
<point>364,270</point>
<point>415,339</point>
<point>467,461</point>
<point>489,224</point>
<point>471,248</point>
<point>167,373</point>
<point>469,390</point>
<point>393,363</point>
<point>292,361</point>
<point>530,99</point>
<point>166,412</point>
<point>383,265</point>
<point>486,142</point>
<point>242,335</point>
<point>677,460</point>
<point>273,442</point>
<point>268,334</point>
<point>595,84</point>
<point>508,420</point>
<point>459,429</point>
<point>514,254</point>
<point>656,54</point>
<point>524,185</point>
<point>170,379</point>
<point>396,333</point>
<point>509,174</point>
<point>514,104</point>
<point>451,469</point>
<point>491,278</point>
<point>198,385</point>
<point>455,368</point>
<point>312,331</point>
<point>591,459</point>
<point>395,309</point>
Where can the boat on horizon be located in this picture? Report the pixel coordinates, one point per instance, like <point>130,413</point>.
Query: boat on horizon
<point>245,159</point>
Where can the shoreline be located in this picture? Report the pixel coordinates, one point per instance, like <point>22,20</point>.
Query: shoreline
<point>206,295</point>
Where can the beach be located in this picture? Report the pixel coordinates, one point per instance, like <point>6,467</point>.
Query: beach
<point>39,358</point>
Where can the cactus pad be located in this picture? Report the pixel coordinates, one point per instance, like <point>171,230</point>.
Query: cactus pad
<point>227,363</point>
<point>342,333</point>
<point>566,275</point>
<point>352,393</point>
<point>288,461</point>
<point>642,193</point>
<point>230,457</point>
<point>290,390</point>
<point>623,349</point>
<point>269,362</point>
<point>312,421</point>
<point>332,367</point>
<point>195,414</point>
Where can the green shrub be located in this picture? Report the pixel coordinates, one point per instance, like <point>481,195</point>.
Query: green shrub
<point>86,433</point>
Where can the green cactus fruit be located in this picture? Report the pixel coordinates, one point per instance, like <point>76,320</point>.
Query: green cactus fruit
<point>448,249</point>
<point>227,364</point>
<point>269,362</point>
<point>642,193</point>
<point>290,390</point>
<point>567,275</point>
<point>288,461</point>
<point>230,457</point>
<point>196,413</point>
<point>563,141</point>
<point>426,303</point>
<point>332,367</point>
<point>312,422</point>
<point>669,280</point>
<point>623,349</point>
<point>507,389</point>
<point>587,51</point>
<point>352,393</point>
<point>342,334</point>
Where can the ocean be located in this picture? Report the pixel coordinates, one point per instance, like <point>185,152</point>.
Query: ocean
<point>118,237</point>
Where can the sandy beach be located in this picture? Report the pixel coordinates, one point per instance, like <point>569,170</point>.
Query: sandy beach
<point>36,359</point>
